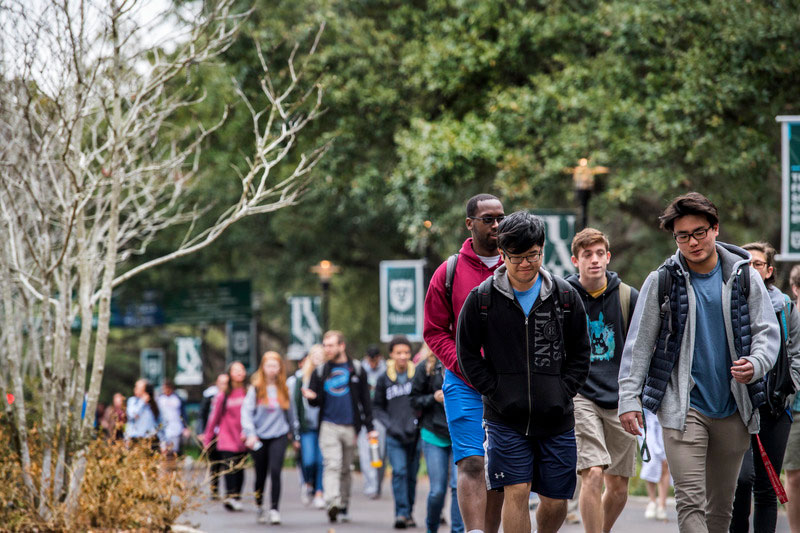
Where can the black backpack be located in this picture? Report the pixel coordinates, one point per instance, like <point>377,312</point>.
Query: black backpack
<point>779,379</point>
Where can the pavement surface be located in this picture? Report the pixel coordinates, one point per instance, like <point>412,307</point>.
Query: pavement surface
<point>370,516</point>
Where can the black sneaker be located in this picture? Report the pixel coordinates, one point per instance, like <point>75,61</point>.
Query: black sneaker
<point>333,512</point>
<point>410,522</point>
<point>400,522</point>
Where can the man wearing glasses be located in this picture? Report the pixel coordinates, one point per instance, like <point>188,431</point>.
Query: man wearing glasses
<point>522,343</point>
<point>476,261</point>
<point>700,368</point>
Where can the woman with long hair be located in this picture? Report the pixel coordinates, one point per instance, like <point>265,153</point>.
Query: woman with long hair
<point>305,421</point>
<point>265,424</point>
<point>776,420</point>
<point>225,425</point>
<point>143,414</point>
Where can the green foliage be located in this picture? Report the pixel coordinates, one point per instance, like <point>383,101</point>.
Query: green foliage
<point>431,102</point>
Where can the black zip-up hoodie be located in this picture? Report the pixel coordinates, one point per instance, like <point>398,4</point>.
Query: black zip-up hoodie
<point>392,404</point>
<point>432,416</point>
<point>607,338</point>
<point>531,368</point>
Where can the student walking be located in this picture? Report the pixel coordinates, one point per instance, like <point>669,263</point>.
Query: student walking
<point>606,452</point>
<point>341,392</point>
<point>776,420</point>
<point>224,432</point>
<point>392,406</point>
<point>305,422</point>
<point>265,423</point>
<point>791,460</point>
<point>206,406</point>
<point>700,367</point>
<point>449,287</point>
<point>523,344</point>
<point>428,399</point>
<point>143,415</point>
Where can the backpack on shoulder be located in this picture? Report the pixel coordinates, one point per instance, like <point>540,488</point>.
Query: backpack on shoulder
<point>779,379</point>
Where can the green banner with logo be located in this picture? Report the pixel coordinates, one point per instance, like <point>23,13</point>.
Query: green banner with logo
<point>559,231</point>
<point>242,343</point>
<point>790,166</point>
<point>151,365</point>
<point>402,299</point>
<point>190,361</point>
<point>305,324</point>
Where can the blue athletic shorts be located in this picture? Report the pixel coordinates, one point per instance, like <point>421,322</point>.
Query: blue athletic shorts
<point>464,409</point>
<point>548,463</point>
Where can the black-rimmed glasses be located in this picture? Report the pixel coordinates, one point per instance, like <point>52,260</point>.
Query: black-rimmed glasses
<point>531,258</point>
<point>698,234</point>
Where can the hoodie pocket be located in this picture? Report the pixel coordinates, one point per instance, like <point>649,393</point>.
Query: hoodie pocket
<point>549,397</point>
<point>511,395</point>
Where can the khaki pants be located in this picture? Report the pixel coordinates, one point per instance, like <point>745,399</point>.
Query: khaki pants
<point>337,444</point>
<point>704,461</point>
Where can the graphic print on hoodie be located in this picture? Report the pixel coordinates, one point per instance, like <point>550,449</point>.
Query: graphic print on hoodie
<point>601,337</point>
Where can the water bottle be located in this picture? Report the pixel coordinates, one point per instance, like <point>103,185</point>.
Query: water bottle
<point>375,454</point>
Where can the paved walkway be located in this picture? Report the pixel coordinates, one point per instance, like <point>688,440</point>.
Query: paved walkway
<point>370,516</point>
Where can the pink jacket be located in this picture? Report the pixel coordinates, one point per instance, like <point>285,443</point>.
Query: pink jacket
<point>440,319</point>
<point>229,437</point>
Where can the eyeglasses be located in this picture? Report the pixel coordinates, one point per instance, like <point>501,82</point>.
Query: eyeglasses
<point>758,264</point>
<point>698,235</point>
<point>489,220</point>
<point>531,258</point>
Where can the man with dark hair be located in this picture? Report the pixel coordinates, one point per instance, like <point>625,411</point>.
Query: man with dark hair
<point>448,289</point>
<point>339,388</point>
<point>606,452</point>
<point>392,404</point>
<point>702,337</point>
<point>531,328</point>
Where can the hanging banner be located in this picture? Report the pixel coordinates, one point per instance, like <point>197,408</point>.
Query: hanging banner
<point>559,230</point>
<point>402,299</point>
<point>242,343</point>
<point>151,365</point>
<point>305,325</point>
<point>190,363</point>
<point>790,173</point>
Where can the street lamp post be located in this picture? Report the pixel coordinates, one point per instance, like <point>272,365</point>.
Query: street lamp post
<point>584,183</point>
<point>325,270</point>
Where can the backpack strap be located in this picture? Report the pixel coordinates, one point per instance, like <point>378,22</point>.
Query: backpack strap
<point>785,312</point>
<point>563,290</point>
<point>485,299</point>
<point>449,276</point>
<point>664,290</point>
<point>625,305</point>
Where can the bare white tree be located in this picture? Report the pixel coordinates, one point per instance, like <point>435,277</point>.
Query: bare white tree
<point>92,168</point>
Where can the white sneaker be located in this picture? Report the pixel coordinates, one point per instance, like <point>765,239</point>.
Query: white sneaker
<point>319,503</point>
<point>305,497</point>
<point>232,504</point>
<point>650,511</point>
<point>661,514</point>
<point>261,517</point>
<point>344,515</point>
<point>274,517</point>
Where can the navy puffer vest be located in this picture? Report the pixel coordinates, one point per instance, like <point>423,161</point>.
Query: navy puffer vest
<point>674,298</point>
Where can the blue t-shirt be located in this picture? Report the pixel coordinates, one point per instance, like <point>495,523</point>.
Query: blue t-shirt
<point>526,298</point>
<point>711,364</point>
<point>338,405</point>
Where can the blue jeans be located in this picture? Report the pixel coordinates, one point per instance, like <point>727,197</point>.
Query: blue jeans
<point>312,459</point>
<point>404,458</point>
<point>439,460</point>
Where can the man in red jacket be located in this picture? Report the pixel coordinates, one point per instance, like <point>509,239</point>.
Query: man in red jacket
<point>477,260</point>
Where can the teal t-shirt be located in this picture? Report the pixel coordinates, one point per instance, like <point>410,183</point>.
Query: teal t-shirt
<point>432,438</point>
<point>711,364</point>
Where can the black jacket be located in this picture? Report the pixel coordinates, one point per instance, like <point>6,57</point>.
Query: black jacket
<point>359,393</point>
<point>392,403</point>
<point>606,337</point>
<point>531,368</point>
<point>432,416</point>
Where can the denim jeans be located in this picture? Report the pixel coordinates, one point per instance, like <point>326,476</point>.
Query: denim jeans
<point>404,458</point>
<point>311,459</point>
<point>439,460</point>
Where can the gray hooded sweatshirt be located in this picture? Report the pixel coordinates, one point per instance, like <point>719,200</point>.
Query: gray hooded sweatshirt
<point>643,334</point>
